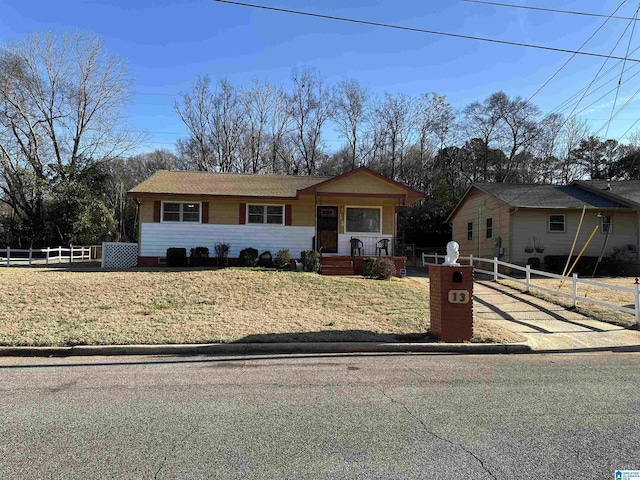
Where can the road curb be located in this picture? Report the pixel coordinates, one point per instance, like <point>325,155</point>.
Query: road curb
<point>266,348</point>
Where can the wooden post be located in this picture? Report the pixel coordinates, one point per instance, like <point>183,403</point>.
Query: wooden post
<point>30,254</point>
<point>47,257</point>
<point>574,293</point>
<point>528,277</point>
<point>71,253</point>
<point>8,256</point>
<point>471,259</point>
<point>60,254</point>
<point>495,269</point>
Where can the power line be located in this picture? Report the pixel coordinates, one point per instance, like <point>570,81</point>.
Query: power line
<point>554,10</point>
<point>574,55</point>
<point>421,30</point>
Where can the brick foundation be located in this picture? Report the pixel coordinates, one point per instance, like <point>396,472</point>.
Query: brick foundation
<point>450,322</point>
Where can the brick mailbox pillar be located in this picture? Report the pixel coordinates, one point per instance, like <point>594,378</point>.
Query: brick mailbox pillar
<point>451,302</point>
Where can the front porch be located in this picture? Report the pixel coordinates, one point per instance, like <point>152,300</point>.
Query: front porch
<point>352,265</point>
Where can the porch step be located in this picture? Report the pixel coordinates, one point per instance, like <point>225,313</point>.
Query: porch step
<point>337,265</point>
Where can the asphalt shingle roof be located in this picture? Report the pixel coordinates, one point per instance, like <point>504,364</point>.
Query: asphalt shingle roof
<point>545,196</point>
<point>628,190</point>
<point>224,184</point>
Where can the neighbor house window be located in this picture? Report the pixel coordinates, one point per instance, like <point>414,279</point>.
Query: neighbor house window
<point>181,212</point>
<point>556,223</point>
<point>469,230</point>
<point>364,219</point>
<point>269,214</point>
<point>606,223</point>
<point>489,230</point>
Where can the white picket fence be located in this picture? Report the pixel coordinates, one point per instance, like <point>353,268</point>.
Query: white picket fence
<point>528,271</point>
<point>16,256</point>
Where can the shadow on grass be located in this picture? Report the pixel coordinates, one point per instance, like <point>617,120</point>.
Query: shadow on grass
<point>337,336</point>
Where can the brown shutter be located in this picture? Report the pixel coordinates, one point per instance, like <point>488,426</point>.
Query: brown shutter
<point>287,214</point>
<point>156,211</point>
<point>205,212</point>
<point>243,214</point>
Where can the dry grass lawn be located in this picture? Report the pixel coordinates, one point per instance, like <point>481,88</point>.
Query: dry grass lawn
<point>90,306</point>
<point>625,299</point>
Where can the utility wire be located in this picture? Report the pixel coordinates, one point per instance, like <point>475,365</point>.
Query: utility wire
<point>554,10</point>
<point>579,49</point>
<point>421,30</point>
<point>624,63</point>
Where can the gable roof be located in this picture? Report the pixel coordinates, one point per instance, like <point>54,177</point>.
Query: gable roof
<point>623,191</point>
<point>165,182</point>
<point>541,196</point>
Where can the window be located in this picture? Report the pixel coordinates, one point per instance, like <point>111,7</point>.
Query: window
<point>269,214</point>
<point>180,212</point>
<point>489,230</point>
<point>556,223</point>
<point>364,220</point>
<point>606,223</point>
<point>470,231</point>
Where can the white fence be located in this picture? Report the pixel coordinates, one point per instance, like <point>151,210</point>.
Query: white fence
<point>528,271</point>
<point>16,256</point>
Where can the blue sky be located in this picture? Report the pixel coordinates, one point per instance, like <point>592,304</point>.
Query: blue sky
<point>167,44</point>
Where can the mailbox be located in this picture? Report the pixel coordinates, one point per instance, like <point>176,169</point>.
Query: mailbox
<point>451,300</point>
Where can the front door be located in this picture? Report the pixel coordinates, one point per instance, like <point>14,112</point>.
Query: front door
<point>327,220</point>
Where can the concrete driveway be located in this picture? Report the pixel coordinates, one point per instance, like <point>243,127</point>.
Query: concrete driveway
<point>547,326</point>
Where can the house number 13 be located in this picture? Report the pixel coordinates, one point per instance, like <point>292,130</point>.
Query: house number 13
<point>459,296</point>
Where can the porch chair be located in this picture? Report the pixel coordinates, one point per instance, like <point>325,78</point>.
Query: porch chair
<point>382,245</point>
<point>356,246</point>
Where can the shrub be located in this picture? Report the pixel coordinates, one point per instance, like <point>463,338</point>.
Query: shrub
<point>222,253</point>
<point>383,268</point>
<point>198,255</point>
<point>265,259</point>
<point>176,257</point>
<point>367,267</point>
<point>248,257</point>
<point>310,260</point>
<point>617,263</point>
<point>283,258</point>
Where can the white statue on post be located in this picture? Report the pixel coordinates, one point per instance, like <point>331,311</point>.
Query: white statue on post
<point>453,252</point>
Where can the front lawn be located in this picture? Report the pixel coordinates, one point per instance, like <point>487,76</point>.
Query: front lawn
<point>90,306</point>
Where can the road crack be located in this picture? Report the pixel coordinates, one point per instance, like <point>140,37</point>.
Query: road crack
<point>173,449</point>
<point>426,428</point>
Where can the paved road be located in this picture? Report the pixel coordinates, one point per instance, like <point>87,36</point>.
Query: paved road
<point>545,325</point>
<point>325,417</point>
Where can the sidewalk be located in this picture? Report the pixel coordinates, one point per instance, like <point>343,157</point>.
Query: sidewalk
<point>547,326</point>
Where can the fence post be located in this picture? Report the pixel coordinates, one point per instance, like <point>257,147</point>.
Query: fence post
<point>436,260</point>
<point>30,254</point>
<point>71,253</point>
<point>637,295</point>
<point>47,256</point>
<point>495,269</point>
<point>528,278</point>
<point>574,293</point>
<point>60,254</point>
<point>471,259</point>
<point>8,256</point>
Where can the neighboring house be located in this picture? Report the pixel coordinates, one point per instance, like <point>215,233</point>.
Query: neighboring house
<point>511,220</point>
<point>267,212</point>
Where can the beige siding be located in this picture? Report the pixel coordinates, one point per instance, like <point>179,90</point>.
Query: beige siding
<point>388,209</point>
<point>530,223</point>
<point>361,182</point>
<point>476,208</point>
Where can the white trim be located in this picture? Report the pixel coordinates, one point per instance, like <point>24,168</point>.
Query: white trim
<point>264,216</point>
<point>372,234</point>
<point>162,220</point>
<point>602,230</point>
<point>564,222</point>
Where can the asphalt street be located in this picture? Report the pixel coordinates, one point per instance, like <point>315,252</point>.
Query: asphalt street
<point>383,416</point>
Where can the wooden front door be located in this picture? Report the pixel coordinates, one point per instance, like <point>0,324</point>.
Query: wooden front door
<point>327,221</point>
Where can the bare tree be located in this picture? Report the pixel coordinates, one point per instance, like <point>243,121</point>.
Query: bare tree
<point>311,107</point>
<point>350,113</point>
<point>61,110</point>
